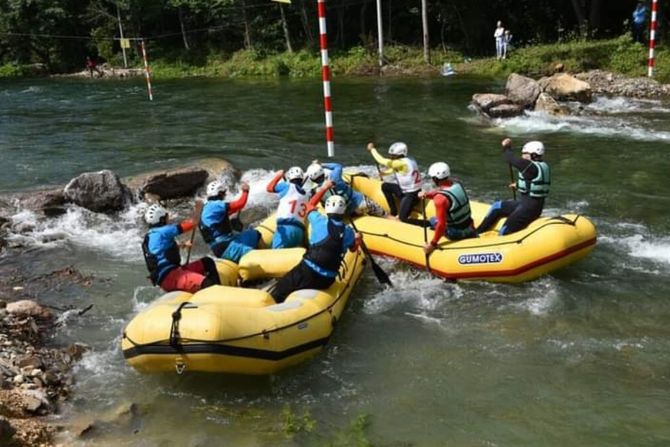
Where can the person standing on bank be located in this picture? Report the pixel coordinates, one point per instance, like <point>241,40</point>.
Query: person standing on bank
<point>216,227</point>
<point>533,181</point>
<point>499,36</point>
<point>507,43</point>
<point>161,254</point>
<point>329,240</point>
<point>639,22</point>
<point>292,208</point>
<point>407,175</point>
<point>452,208</point>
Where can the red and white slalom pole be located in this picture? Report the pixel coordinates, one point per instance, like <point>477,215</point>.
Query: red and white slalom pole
<point>147,75</point>
<point>652,38</point>
<point>325,75</point>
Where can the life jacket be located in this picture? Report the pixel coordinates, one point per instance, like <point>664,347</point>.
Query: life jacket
<point>458,214</point>
<point>409,181</point>
<point>160,263</point>
<point>327,253</point>
<point>539,186</point>
<point>213,228</point>
<point>342,190</point>
<point>293,206</point>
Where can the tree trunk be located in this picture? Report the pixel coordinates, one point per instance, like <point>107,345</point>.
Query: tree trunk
<point>247,28</point>
<point>306,25</point>
<point>595,16</point>
<point>388,25</point>
<point>340,39</point>
<point>284,25</point>
<point>443,27</point>
<point>183,28</point>
<point>581,16</point>
<point>426,41</point>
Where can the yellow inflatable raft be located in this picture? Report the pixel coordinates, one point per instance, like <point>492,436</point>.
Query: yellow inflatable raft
<point>231,329</point>
<point>549,243</point>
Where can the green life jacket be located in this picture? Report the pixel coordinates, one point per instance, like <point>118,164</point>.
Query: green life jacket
<point>539,186</point>
<point>458,214</point>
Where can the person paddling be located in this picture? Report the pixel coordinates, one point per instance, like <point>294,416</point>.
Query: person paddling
<point>407,175</point>
<point>452,208</point>
<point>533,181</point>
<point>216,227</point>
<point>161,254</point>
<point>292,208</point>
<point>356,204</point>
<point>329,240</point>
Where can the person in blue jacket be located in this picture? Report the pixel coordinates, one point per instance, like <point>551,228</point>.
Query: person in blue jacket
<point>329,240</point>
<point>533,181</point>
<point>292,208</point>
<point>356,204</point>
<point>216,227</point>
<point>161,254</point>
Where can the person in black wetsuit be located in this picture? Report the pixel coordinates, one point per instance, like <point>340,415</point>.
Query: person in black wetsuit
<point>534,178</point>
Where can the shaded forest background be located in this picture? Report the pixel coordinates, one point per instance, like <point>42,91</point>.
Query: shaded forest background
<point>61,33</point>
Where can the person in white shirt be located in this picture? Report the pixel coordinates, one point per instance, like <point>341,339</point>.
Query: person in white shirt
<point>499,36</point>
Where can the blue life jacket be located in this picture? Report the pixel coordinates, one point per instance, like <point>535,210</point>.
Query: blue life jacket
<point>215,225</point>
<point>328,253</point>
<point>161,253</point>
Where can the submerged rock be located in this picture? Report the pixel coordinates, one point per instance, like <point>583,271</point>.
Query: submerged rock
<point>175,183</point>
<point>505,111</point>
<point>50,202</point>
<point>97,191</point>
<point>549,105</point>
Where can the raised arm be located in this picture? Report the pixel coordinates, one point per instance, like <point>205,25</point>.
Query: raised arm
<point>274,181</point>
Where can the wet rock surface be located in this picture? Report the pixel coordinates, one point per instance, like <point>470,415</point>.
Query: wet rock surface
<point>35,375</point>
<point>97,191</point>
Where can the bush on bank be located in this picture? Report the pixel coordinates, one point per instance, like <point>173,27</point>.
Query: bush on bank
<point>619,55</point>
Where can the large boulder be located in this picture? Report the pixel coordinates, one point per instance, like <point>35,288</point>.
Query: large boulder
<point>564,87</point>
<point>505,111</point>
<point>522,90</point>
<point>486,101</point>
<point>548,105</point>
<point>100,191</point>
<point>174,183</point>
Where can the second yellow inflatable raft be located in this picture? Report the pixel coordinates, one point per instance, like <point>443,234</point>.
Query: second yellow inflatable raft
<point>547,244</point>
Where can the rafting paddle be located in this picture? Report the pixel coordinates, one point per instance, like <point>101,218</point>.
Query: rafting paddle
<point>196,221</point>
<point>381,275</point>
<point>511,177</point>
<point>425,232</point>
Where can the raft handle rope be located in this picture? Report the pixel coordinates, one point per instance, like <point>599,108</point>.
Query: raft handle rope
<point>180,366</point>
<point>264,331</point>
<point>174,327</point>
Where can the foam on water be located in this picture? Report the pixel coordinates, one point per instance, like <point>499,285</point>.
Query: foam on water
<point>606,126</point>
<point>622,105</point>
<point>656,249</point>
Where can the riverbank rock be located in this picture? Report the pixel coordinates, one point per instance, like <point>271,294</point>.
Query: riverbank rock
<point>24,308</point>
<point>505,111</point>
<point>564,87</point>
<point>100,191</point>
<point>522,90</point>
<point>495,105</point>
<point>106,71</point>
<point>608,83</point>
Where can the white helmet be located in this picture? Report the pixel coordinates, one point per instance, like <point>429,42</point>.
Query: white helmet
<point>154,214</point>
<point>214,188</point>
<point>295,173</point>
<point>314,171</point>
<point>399,149</point>
<point>439,170</point>
<point>336,205</point>
<point>534,148</point>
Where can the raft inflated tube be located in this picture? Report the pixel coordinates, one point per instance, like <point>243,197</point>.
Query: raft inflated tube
<point>547,244</point>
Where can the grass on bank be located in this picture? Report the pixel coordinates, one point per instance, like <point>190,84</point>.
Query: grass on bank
<point>619,55</point>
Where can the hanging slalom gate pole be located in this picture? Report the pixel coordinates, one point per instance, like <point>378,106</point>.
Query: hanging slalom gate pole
<point>652,38</point>
<point>325,75</point>
<point>146,70</point>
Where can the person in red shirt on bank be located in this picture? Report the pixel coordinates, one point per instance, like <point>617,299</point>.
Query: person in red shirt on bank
<point>452,208</point>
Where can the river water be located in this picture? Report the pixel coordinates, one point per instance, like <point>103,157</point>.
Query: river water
<point>580,357</point>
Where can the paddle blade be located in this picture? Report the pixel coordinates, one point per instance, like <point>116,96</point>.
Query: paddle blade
<point>381,275</point>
